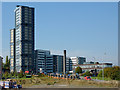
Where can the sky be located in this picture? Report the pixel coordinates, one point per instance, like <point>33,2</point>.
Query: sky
<point>88,29</point>
<point>60,0</point>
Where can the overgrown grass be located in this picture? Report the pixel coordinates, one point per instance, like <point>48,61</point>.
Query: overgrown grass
<point>100,78</point>
<point>26,82</point>
<point>23,78</point>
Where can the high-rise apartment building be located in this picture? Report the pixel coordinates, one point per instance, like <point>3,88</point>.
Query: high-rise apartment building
<point>24,39</point>
<point>12,50</point>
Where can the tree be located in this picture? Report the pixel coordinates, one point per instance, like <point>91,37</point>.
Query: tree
<point>111,72</point>
<point>78,70</point>
<point>115,73</point>
<point>15,73</point>
<point>87,73</point>
<point>7,63</point>
<point>3,65</point>
<point>5,75</point>
<point>107,71</point>
<point>99,74</point>
<point>20,75</point>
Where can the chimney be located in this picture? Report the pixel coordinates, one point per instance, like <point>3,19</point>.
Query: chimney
<point>64,62</point>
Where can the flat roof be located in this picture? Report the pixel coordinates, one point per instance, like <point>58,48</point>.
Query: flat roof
<point>24,6</point>
<point>94,64</point>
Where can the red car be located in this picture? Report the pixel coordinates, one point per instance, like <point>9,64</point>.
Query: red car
<point>87,78</point>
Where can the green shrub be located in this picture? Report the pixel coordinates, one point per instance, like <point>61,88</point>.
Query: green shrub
<point>49,84</point>
<point>87,73</point>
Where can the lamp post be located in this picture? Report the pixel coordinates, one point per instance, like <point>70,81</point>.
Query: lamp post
<point>94,59</point>
<point>94,67</point>
<point>103,71</point>
<point>103,67</point>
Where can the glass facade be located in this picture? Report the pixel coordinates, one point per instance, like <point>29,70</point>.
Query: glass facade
<point>44,61</point>
<point>22,47</point>
<point>57,63</point>
<point>68,64</point>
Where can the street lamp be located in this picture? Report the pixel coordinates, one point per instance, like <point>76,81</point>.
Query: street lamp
<point>94,72</point>
<point>94,59</point>
<point>103,67</point>
<point>103,71</point>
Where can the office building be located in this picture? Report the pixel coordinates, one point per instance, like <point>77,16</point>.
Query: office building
<point>57,63</point>
<point>68,64</point>
<point>77,60</point>
<point>24,39</point>
<point>70,61</point>
<point>43,61</point>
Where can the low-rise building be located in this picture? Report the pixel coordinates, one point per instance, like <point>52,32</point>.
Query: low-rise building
<point>92,67</point>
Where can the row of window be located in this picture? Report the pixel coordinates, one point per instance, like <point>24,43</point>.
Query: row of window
<point>93,66</point>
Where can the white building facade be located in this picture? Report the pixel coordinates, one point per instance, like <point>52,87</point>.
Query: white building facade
<point>92,67</point>
<point>77,60</point>
<point>70,61</point>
